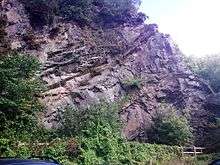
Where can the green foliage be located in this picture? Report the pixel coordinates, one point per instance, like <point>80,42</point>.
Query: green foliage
<point>98,141</point>
<point>23,152</point>
<point>95,151</point>
<point>18,90</point>
<point>118,151</point>
<point>102,147</point>
<point>132,83</point>
<point>84,12</point>
<point>121,6</point>
<point>16,84</point>
<point>102,11</point>
<point>55,149</point>
<point>118,10</point>
<point>145,152</point>
<point>76,10</point>
<point>208,68</point>
<point>6,148</point>
<point>4,45</point>
<point>98,128</point>
<point>171,128</point>
<point>98,131</point>
<point>76,122</point>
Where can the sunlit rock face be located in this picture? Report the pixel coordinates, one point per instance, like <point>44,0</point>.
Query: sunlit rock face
<point>84,66</point>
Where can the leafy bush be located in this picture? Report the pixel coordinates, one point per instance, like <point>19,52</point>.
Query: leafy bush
<point>118,11</point>
<point>4,45</point>
<point>98,130</point>
<point>132,83</point>
<point>76,10</point>
<point>145,152</point>
<point>84,12</point>
<point>122,152</point>
<point>170,128</point>
<point>56,149</point>
<point>98,141</point>
<point>100,11</point>
<point>18,89</point>
<point>6,149</point>
<point>77,122</point>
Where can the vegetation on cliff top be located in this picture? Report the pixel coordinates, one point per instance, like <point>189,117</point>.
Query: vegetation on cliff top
<point>83,12</point>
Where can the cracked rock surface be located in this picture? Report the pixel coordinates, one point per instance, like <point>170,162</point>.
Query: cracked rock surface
<point>83,66</point>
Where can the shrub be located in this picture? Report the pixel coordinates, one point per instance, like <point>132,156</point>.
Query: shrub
<point>98,141</point>
<point>131,84</point>
<point>4,44</point>
<point>121,152</point>
<point>118,11</point>
<point>5,148</point>
<point>72,147</point>
<point>84,12</point>
<point>76,10</point>
<point>55,149</point>
<point>18,89</point>
<point>98,130</point>
<point>170,128</point>
<point>76,122</point>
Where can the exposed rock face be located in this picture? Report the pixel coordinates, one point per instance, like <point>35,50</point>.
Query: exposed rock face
<point>214,100</point>
<point>18,22</point>
<point>86,66</point>
<point>213,105</point>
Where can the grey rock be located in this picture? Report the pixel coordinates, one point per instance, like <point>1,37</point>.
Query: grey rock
<point>214,99</point>
<point>83,67</point>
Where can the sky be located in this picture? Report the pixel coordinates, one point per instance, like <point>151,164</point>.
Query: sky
<point>193,24</point>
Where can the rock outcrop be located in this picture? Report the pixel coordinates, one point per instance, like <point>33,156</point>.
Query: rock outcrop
<point>214,100</point>
<point>83,66</point>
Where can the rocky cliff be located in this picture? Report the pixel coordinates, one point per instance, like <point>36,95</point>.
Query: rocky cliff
<point>83,66</point>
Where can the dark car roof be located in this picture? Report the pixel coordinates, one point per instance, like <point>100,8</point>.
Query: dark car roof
<point>215,162</point>
<point>25,162</point>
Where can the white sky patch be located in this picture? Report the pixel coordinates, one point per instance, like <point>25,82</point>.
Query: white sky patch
<point>194,24</point>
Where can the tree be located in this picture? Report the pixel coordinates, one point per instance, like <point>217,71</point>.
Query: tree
<point>170,128</point>
<point>83,12</point>
<point>4,44</point>
<point>117,11</point>
<point>77,10</point>
<point>18,89</point>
